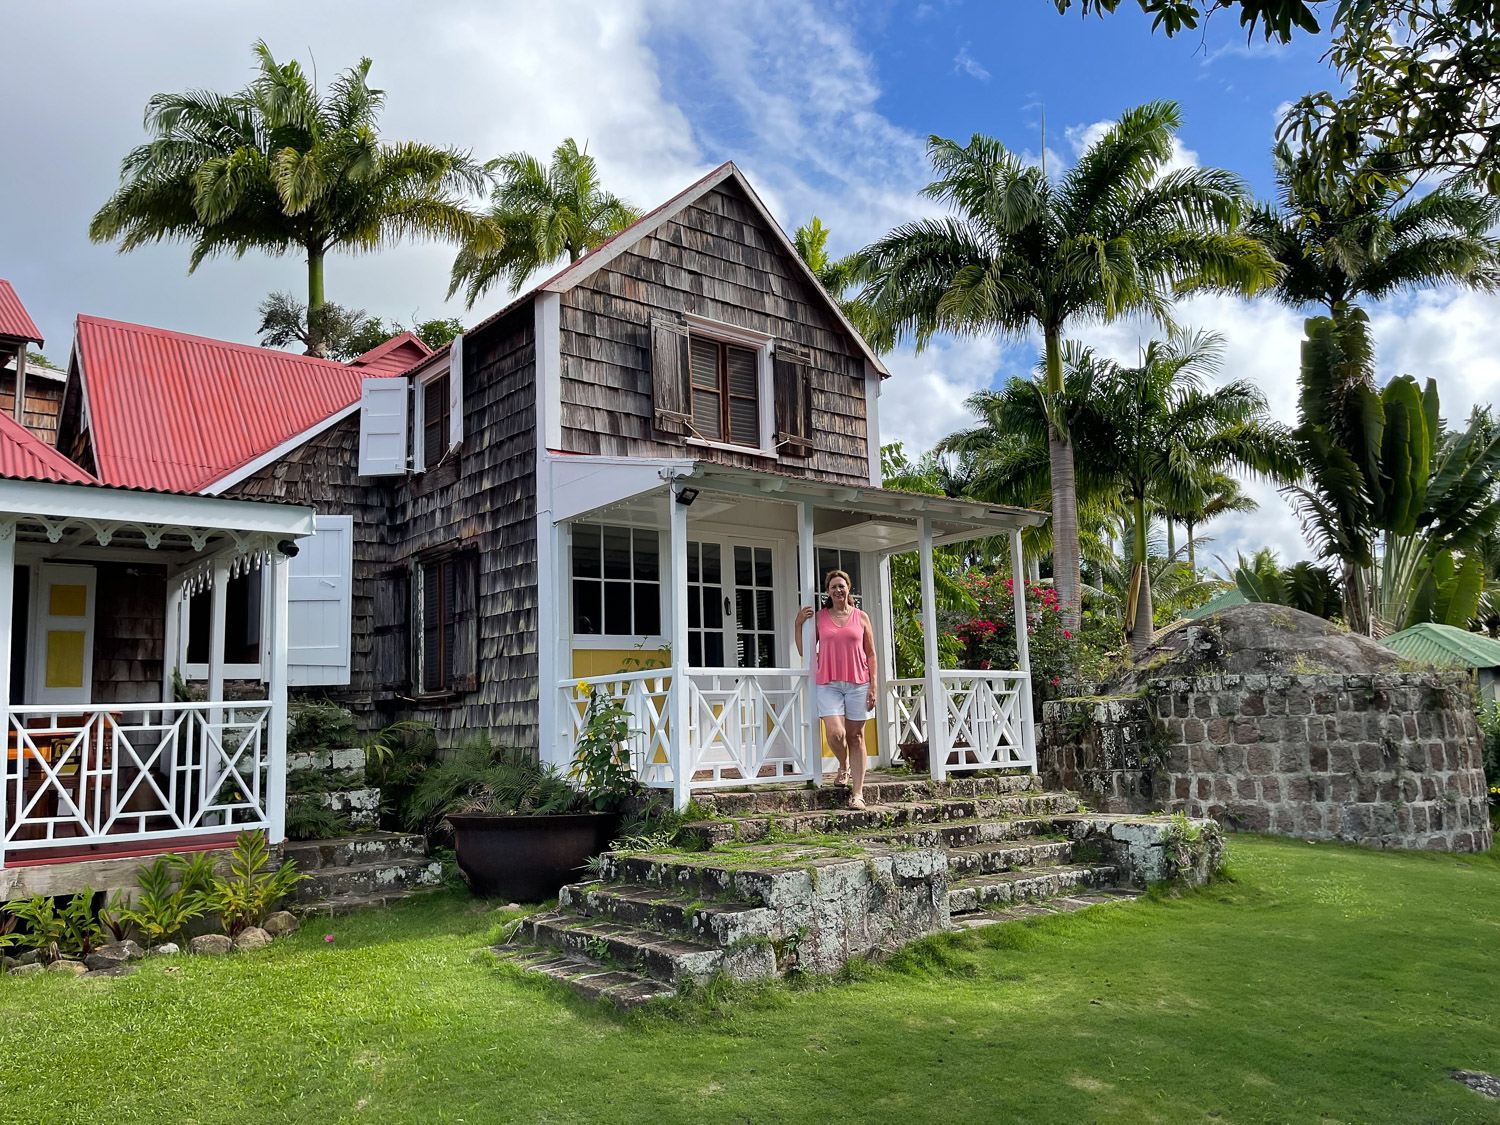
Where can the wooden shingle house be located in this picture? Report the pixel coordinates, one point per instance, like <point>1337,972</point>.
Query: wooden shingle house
<point>624,481</point>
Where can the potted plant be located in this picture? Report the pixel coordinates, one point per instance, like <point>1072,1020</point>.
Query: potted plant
<point>521,829</point>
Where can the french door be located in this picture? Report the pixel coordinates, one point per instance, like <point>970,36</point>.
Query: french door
<point>731,605</point>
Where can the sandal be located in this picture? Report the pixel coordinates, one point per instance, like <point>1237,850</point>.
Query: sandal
<point>856,802</point>
<point>842,777</point>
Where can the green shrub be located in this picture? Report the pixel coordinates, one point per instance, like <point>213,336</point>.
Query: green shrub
<point>320,726</point>
<point>479,777</point>
<point>396,759</point>
<point>307,818</point>
<point>1488,715</point>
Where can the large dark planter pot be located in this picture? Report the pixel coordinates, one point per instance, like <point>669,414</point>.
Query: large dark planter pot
<point>528,858</point>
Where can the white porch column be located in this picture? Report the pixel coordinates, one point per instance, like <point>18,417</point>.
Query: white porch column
<point>937,703</point>
<point>807,564</point>
<point>7,615</point>
<point>276,735</point>
<point>679,700</point>
<point>171,637</point>
<point>1023,645</point>
<point>875,571</point>
<point>217,609</point>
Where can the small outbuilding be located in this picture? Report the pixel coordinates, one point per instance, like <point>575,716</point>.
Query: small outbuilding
<point>1447,646</point>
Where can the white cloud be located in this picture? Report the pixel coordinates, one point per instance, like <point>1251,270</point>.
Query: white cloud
<point>965,63</point>
<point>923,400</point>
<point>1083,137</point>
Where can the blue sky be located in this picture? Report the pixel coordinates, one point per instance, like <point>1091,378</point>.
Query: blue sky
<point>826,106</point>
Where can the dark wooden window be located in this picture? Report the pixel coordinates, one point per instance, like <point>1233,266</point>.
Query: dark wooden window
<point>447,613</point>
<point>439,587</point>
<point>435,412</point>
<point>616,581</point>
<point>726,392</point>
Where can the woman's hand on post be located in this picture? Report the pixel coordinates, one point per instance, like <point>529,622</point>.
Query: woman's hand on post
<point>803,615</point>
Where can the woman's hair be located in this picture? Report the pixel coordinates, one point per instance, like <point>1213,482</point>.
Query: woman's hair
<point>832,574</point>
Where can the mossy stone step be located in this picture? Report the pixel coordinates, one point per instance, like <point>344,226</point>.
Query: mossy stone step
<point>590,979</point>
<point>656,908</point>
<point>646,953</point>
<point>389,879</point>
<point>759,875</point>
<point>800,798</point>
<point>992,859</point>
<point>964,833</point>
<point>359,847</point>
<point>1063,904</point>
<point>1028,885</point>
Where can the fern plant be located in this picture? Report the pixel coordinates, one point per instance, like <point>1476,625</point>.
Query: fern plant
<point>479,777</point>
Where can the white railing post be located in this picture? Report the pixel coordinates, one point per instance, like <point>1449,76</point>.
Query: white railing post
<point>807,562</point>
<point>937,701</point>
<point>7,615</point>
<point>679,698</point>
<point>276,719</point>
<point>1023,645</point>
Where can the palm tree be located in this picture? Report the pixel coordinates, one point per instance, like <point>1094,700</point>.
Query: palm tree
<point>838,276</point>
<point>1163,434</point>
<point>281,167</point>
<point>1117,235</point>
<point>1366,237</point>
<point>538,214</point>
<point>1219,495</point>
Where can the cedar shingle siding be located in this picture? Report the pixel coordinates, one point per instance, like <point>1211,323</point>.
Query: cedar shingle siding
<point>715,259</point>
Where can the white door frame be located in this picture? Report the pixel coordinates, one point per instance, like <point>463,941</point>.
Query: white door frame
<point>78,574</point>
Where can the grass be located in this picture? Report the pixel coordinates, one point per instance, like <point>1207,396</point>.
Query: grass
<point>1325,984</point>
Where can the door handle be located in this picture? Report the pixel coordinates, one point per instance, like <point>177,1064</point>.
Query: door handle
<point>727,608</point>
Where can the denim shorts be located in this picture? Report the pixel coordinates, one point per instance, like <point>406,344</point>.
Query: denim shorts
<point>840,697</point>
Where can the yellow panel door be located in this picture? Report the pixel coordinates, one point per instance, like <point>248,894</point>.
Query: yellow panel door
<point>61,663</point>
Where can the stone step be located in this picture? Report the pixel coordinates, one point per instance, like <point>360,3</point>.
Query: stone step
<point>361,847</point>
<point>646,953</point>
<point>1033,884</point>
<point>761,875</point>
<point>664,911</point>
<point>992,859</point>
<point>589,978</point>
<point>1063,904</point>
<point>965,833</point>
<point>391,879</point>
<point>878,788</point>
<point>340,905</point>
<point>750,828</point>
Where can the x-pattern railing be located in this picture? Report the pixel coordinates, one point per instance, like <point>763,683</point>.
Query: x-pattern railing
<point>747,725</point>
<point>124,772</point>
<point>908,710</point>
<point>645,697</point>
<point>985,719</point>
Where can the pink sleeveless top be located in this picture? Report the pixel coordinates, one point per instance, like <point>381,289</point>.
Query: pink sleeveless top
<point>841,650</point>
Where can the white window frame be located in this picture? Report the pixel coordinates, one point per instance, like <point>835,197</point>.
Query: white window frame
<point>763,346</point>
<point>194,672</point>
<point>455,372</point>
<point>623,642</point>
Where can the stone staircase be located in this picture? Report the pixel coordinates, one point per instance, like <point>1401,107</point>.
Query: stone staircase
<point>366,869</point>
<point>789,881</point>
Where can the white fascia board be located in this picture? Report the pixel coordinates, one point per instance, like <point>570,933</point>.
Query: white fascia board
<point>872,422</point>
<point>548,350</point>
<point>250,468</point>
<point>578,485</point>
<point>99,502</point>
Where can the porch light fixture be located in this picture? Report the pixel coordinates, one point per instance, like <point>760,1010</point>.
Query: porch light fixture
<point>686,496</point>
<point>288,548</point>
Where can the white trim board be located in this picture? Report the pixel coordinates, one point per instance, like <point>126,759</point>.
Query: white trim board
<point>250,468</point>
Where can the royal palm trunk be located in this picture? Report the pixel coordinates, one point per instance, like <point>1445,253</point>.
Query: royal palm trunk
<point>1065,561</point>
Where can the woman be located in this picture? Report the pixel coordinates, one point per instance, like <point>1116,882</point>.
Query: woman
<point>845,647</point>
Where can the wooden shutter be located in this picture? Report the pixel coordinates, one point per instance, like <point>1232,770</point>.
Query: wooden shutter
<point>465,675</point>
<point>793,382</point>
<point>382,426</point>
<point>671,388</point>
<point>319,592</point>
<point>456,391</point>
<point>392,636</point>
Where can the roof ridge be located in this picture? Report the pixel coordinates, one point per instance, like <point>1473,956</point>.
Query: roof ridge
<point>212,341</point>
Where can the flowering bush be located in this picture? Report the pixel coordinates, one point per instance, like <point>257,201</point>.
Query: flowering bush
<point>988,635</point>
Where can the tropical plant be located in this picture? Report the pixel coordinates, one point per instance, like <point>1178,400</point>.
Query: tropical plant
<point>538,214</point>
<point>66,931</point>
<point>283,167</point>
<point>1217,494</point>
<point>479,777</point>
<point>1303,585</point>
<point>1119,234</point>
<point>161,909</point>
<point>836,275</point>
<point>252,888</point>
<point>601,759</point>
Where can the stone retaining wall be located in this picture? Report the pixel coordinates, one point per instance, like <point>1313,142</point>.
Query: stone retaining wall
<point>1390,760</point>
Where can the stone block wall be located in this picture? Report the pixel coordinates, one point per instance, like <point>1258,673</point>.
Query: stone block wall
<point>1389,760</point>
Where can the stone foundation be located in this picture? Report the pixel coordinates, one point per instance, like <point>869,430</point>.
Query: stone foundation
<point>1387,760</point>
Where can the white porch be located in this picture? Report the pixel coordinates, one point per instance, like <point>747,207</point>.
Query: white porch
<point>101,759</point>
<point>672,586</point>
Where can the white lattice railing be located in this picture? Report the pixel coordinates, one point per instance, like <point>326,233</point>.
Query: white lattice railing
<point>646,697</point>
<point>986,718</point>
<point>748,725</point>
<point>119,773</point>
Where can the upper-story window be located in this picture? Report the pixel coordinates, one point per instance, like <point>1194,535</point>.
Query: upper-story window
<point>435,420</point>
<point>726,391</point>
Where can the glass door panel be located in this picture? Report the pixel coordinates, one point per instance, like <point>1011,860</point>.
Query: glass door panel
<point>705,598</point>
<point>754,607</point>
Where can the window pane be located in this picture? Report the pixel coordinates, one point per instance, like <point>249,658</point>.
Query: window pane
<point>693,550</point>
<point>767,652</point>
<point>828,559</point>
<point>617,552</point>
<point>744,609</point>
<point>742,567</point>
<point>647,609</point>
<point>705,364</point>
<point>706,415</point>
<point>695,610</point>
<point>851,564</point>
<point>713,650</point>
<point>744,650</point>
<point>435,421</point>
<point>713,608</point>
<point>711,564</point>
<point>587,607</point>
<point>200,620</point>
<point>646,556</point>
<point>695,650</point>
<point>617,609</point>
<point>765,614</point>
<point>744,422</point>
<point>586,550</point>
<point>743,373</point>
<point>763,566</point>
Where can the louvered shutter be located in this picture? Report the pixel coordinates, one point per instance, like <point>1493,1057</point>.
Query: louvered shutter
<point>392,635</point>
<point>671,389</point>
<point>465,676</point>
<point>382,427</point>
<point>793,388</point>
<point>319,593</point>
<point>456,391</point>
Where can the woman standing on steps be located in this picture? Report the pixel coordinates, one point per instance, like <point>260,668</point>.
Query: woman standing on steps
<point>845,647</point>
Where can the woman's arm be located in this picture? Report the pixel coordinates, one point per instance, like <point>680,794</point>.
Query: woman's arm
<point>869,658</point>
<point>803,615</point>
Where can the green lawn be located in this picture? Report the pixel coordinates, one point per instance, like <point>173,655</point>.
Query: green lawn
<point>1326,983</point>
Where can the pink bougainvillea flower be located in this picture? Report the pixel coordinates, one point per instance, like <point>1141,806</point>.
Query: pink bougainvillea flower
<point>327,937</point>
<point>1067,634</point>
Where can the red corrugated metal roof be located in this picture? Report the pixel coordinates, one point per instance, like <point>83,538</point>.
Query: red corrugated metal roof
<point>177,412</point>
<point>394,356</point>
<point>15,321</point>
<point>24,456</point>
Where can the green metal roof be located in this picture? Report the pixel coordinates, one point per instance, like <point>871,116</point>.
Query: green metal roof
<point>1229,597</point>
<point>1445,645</point>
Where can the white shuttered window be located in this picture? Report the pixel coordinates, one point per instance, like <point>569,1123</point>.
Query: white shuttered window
<point>320,593</point>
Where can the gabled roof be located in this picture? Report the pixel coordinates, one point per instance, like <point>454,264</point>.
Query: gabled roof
<point>575,272</point>
<point>171,411</point>
<point>24,456</point>
<point>1445,645</point>
<point>394,356</point>
<point>15,321</point>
